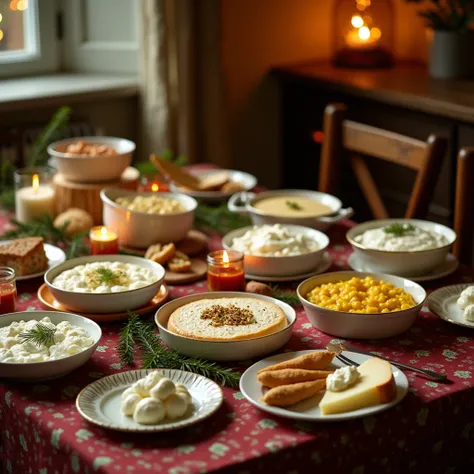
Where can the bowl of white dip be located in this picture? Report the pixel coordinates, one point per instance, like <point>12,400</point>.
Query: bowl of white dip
<point>278,250</point>
<point>75,340</point>
<point>407,247</point>
<point>105,283</point>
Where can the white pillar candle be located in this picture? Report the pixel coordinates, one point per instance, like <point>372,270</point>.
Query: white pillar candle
<point>34,201</point>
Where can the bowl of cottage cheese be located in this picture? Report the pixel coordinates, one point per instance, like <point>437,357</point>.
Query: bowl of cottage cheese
<point>405,247</point>
<point>69,340</point>
<point>105,283</point>
<point>276,249</point>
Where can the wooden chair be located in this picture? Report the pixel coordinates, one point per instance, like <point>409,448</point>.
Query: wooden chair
<point>464,206</point>
<point>358,140</point>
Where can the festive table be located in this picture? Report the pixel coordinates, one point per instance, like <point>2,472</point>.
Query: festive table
<point>431,430</point>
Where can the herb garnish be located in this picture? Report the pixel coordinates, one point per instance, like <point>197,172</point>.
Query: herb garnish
<point>294,205</point>
<point>398,229</point>
<point>156,356</point>
<point>288,297</point>
<point>39,335</point>
<point>106,275</point>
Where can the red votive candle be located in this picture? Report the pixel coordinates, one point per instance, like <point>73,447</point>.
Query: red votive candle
<point>103,241</point>
<point>7,290</point>
<point>154,184</point>
<point>225,271</point>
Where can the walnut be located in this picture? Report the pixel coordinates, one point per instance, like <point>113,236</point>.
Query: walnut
<point>78,220</point>
<point>258,288</point>
<point>161,253</point>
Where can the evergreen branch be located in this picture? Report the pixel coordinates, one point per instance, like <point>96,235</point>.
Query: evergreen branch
<point>40,335</point>
<point>219,218</point>
<point>126,342</point>
<point>288,297</point>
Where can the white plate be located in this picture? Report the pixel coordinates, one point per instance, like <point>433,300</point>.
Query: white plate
<point>308,410</point>
<point>449,266</point>
<point>54,255</point>
<point>240,349</point>
<point>248,181</point>
<point>323,265</point>
<point>99,402</point>
<point>442,302</point>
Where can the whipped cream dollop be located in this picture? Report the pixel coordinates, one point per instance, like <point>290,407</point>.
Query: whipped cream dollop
<point>342,378</point>
<point>68,340</point>
<point>154,398</point>
<point>274,241</point>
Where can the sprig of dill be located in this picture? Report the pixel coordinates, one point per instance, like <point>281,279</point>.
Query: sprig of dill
<point>154,355</point>
<point>398,229</point>
<point>40,335</point>
<point>294,205</point>
<point>106,275</point>
<point>286,296</point>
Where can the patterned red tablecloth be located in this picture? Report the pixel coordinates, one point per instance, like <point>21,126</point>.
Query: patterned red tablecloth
<point>432,429</point>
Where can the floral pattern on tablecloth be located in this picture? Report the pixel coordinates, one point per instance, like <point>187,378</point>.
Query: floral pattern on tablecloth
<point>43,433</point>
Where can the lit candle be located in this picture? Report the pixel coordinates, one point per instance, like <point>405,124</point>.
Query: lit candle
<point>103,241</point>
<point>34,201</point>
<point>225,271</point>
<point>153,183</point>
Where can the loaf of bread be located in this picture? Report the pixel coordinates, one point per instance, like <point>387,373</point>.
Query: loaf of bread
<point>26,256</point>
<point>227,319</point>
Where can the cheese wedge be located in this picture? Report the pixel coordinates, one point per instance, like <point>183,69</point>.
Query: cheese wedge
<point>376,386</point>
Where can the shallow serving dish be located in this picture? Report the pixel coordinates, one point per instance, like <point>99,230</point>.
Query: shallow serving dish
<point>35,371</point>
<point>248,181</point>
<point>357,325</point>
<point>248,200</point>
<point>90,168</point>
<point>139,229</point>
<point>226,350</point>
<point>105,302</point>
<point>414,263</point>
<point>281,266</point>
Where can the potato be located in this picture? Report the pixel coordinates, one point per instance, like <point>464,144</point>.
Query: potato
<point>258,288</point>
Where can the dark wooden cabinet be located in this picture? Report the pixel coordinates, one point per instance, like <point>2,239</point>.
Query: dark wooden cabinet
<point>402,99</point>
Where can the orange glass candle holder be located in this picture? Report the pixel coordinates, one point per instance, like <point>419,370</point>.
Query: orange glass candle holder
<point>225,271</point>
<point>154,183</point>
<point>103,241</point>
<point>7,290</point>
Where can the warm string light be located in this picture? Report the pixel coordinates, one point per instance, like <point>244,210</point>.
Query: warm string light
<point>362,32</point>
<point>35,182</point>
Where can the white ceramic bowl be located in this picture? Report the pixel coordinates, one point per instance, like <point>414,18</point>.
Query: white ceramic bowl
<point>355,325</point>
<point>36,371</point>
<point>248,181</point>
<point>247,201</point>
<point>403,263</point>
<point>281,266</point>
<point>92,169</point>
<point>139,229</point>
<point>225,350</point>
<point>104,303</point>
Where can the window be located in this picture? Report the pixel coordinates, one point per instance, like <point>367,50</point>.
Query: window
<point>96,36</point>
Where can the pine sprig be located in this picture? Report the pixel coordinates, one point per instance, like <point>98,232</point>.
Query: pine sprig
<point>288,297</point>
<point>155,355</point>
<point>40,335</point>
<point>218,218</point>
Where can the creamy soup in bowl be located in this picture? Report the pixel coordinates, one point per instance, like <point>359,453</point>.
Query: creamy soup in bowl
<point>292,206</point>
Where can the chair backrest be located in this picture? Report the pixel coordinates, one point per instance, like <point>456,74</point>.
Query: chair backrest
<point>360,140</point>
<point>464,206</point>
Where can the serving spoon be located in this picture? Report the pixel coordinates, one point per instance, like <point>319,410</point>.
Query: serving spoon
<point>432,375</point>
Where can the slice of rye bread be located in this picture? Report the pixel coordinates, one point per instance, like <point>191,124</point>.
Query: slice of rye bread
<point>187,321</point>
<point>26,256</point>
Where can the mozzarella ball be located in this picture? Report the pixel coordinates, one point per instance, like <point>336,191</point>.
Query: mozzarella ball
<point>149,411</point>
<point>163,389</point>
<point>466,297</point>
<point>152,379</point>
<point>140,388</point>
<point>128,391</point>
<point>469,313</point>
<point>183,391</point>
<point>176,406</point>
<point>129,403</point>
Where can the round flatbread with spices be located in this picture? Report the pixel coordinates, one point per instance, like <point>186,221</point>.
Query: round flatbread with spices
<point>227,319</point>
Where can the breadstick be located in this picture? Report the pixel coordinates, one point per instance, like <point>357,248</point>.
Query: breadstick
<point>286,395</point>
<point>275,378</point>
<point>313,361</point>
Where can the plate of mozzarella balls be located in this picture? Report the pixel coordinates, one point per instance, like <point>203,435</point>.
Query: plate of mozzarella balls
<point>149,400</point>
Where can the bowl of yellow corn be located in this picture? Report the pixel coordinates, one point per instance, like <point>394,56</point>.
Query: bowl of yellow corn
<point>357,305</point>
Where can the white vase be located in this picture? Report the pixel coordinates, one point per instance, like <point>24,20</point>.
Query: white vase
<point>450,55</point>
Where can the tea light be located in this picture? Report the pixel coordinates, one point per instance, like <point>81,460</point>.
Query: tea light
<point>225,271</point>
<point>34,195</point>
<point>103,241</point>
<point>153,183</point>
